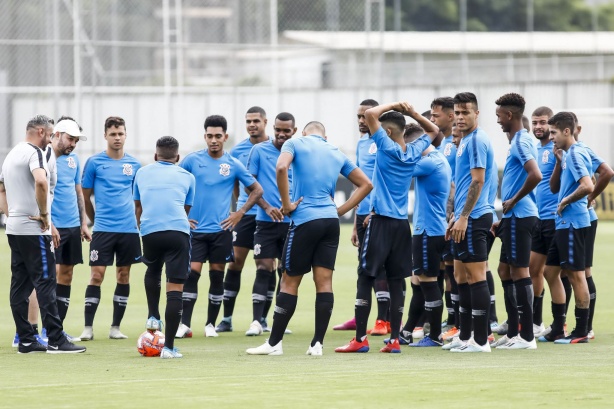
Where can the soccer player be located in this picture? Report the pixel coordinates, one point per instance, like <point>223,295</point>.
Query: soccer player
<point>313,237</point>
<point>520,176</point>
<point>163,196</point>
<point>470,225</point>
<point>211,220</point>
<point>25,199</point>
<point>108,177</point>
<point>388,237</point>
<point>271,225</point>
<point>243,233</point>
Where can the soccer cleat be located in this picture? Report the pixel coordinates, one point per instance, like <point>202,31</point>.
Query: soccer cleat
<point>210,331</point>
<point>44,336</point>
<point>493,325</point>
<point>287,331</point>
<point>418,332</point>
<point>405,338</point>
<point>223,326</point>
<point>349,325</point>
<point>168,353</point>
<point>491,338</point>
<point>266,349</point>
<point>153,324</point>
<point>538,329</point>
<point>426,342</point>
<point>183,331</point>
<point>254,330</point>
<point>545,332</point>
<point>65,348</point>
<point>456,343</point>
<point>315,350</point>
<point>32,347</point>
<point>71,338</point>
<point>501,329</point>
<point>518,342</point>
<point>449,334</point>
<point>591,334</point>
<point>572,339</point>
<point>472,346</point>
<point>41,340</point>
<point>551,336</point>
<point>355,346</point>
<point>15,343</point>
<point>115,333</point>
<point>392,347</point>
<point>380,328</point>
<point>87,334</point>
<point>501,341</point>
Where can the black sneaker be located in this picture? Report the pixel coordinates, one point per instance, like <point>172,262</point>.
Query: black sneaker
<point>30,348</point>
<point>224,326</point>
<point>65,348</point>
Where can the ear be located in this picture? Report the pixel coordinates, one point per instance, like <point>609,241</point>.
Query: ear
<point>579,129</point>
<point>303,133</point>
<point>294,131</point>
<point>155,157</point>
<point>177,158</point>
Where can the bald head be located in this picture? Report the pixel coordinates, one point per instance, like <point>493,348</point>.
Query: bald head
<point>314,128</point>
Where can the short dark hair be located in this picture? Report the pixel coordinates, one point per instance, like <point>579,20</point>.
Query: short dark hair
<point>575,118</point>
<point>443,102</point>
<point>543,111</point>
<point>66,117</point>
<point>512,101</point>
<point>369,103</point>
<point>426,114</point>
<point>114,121</point>
<point>286,116</point>
<point>257,110</point>
<point>563,120</point>
<point>216,120</point>
<point>412,132</point>
<point>317,125</point>
<point>465,98</point>
<point>39,121</point>
<point>394,117</point>
<point>167,147</point>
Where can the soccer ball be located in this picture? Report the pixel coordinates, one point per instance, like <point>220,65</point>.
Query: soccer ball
<point>150,343</point>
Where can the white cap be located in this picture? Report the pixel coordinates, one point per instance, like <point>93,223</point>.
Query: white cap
<point>69,127</point>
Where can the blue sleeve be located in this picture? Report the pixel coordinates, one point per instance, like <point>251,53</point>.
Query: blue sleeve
<point>186,163</point>
<point>384,143</point>
<point>253,161</point>
<point>478,153</point>
<point>233,152</point>
<point>243,175</point>
<point>78,172</point>
<point>523,151</point>
<point>415,149</point>
<point>136,195</point>
<point>89,174</point>
<point>575,162</point>
<point>425,166</point>
<point>288,147</point>
<point>348,167</point>
<point>358,154</point>
<point>189,199</point>
<point>596,161</point>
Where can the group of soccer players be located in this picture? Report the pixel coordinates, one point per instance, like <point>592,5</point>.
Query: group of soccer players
<point>286,215</point>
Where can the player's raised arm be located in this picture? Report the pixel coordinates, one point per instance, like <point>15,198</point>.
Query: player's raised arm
<point>430,128</point>
<point>372,115</point>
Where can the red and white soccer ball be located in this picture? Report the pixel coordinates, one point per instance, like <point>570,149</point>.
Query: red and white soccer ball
<point>150,343</point>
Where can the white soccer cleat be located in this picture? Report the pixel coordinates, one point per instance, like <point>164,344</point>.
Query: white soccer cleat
<point>87,334</point>
<point>501,329</point>
<point>418,332</point>
<point>315,350</point>
<point>472,346</point>
<point>170,353</point>
<point>591,334</point>
<point>210,331</point>
<point>266,349</point>
<point>501,341</point>
<point>287,331</point>
<point>518,342</point>
<point>538,329</point>
<point>456,343</point>
<point>545,332</point>
<point>115,333</point>
<point>254,330</point>
<point>183,331</point>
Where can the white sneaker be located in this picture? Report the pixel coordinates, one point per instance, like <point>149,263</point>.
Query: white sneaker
<point>418,332</point>
<point>87,334</point>
<point>115,333</point>
<point>170,353</point>
<point>518,342</point>
<point>315,350</point>
<point>501,341</point>
<point>287,331</point>
<point>254,330</point>
<point>456,343</point>
<point>210,331</point>
<point>501,329</point>
<point>591,334</point>
<point>266,349</point>
<point>538,329</point>
<point>545,332</point>
<point>183,331</point>
<point>472,346</point>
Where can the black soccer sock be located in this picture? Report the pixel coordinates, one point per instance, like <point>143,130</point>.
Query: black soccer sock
<point>120,302</point>
<point>284,310</point>
<point>558,318</point>
<point>524,300</point>
<point>324,309</point>
<point>491,290</point>
<point>538,309</point>
<point>362,306</point>
<point>152,292</point>
<point>568,292</point>
<point>397,301</point>
<point>416,308</point>
<point>511,307</point>
<point>480,304</point>
<point>259,293</point>
<point>581,328</point>
<point>433,307</point>
<point>441,281</point>
<point>232,285</point>
<point>383,298</point>
<point>216,295</point>
<point>172,316</point>
<point>592,290</point>
<point>464,311</point>
<point>453,296</point>
<point>62,299</point>
<point>270,294</point>
<point>189,297</point>
<point>92,299</point>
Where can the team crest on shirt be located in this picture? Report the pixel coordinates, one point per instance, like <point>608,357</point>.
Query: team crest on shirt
<point>372,149</point>
<point>564,165</point>
<point>460,150</point>
<point>545,156</point>
<point>224,169</point>
<point>127,169</point>
<point>71,162</point>
<point>509,151</point>
<point>93,255</point>
<point>257,249</point>
<point>447,150</point>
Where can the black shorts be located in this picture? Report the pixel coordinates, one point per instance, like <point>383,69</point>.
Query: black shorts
<point>311,244</point>
<point>516,237</point>
<point>70,251</point>
<point>568,249</point>
<point>243,234</point>
<point>171,248</point>
<point>269,239</point>
<point>474,248</point>
<point>447,254</point>
<point>213,247</point>
<point>543,236</point>
<point>427,252</point>
<point>387,244</point>
<point>590,244</point>
<point>126,247</point>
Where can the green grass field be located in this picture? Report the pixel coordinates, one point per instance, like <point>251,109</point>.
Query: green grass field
<point>217,372</point>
